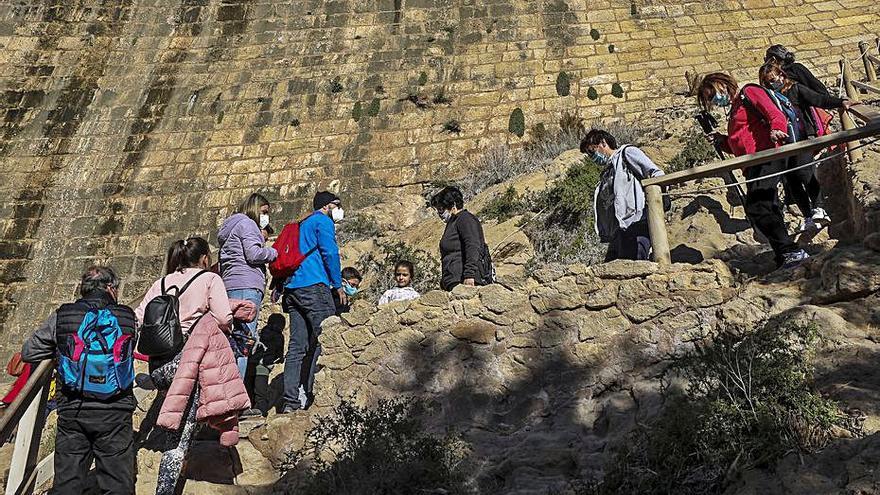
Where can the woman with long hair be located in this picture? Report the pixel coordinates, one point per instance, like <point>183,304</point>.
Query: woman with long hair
<point>243,260</point>
<point>754,124</point>
<point>200,293</point>
<point>802,184</point>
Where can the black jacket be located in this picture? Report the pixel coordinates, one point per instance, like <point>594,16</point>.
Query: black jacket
<point>42,345</point>
<point>461,247</point>
<point>797,72</point>
<point>802,98</point>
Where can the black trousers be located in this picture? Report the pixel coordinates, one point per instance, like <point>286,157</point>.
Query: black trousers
<point>802,185</point>
<point>631,243</point>
<point>106,437</point>
<point>765,209</point>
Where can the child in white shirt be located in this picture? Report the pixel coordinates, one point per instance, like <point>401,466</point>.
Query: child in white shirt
<point>404,271</point>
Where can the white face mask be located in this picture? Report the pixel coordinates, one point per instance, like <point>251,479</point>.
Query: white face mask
<point>337,214</point>
<point>264,220</point>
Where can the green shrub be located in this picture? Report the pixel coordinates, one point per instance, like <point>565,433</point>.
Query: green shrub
<point>517,123</point>
<point>504,207</point>
<point>383,450</point>
<point>357,112</point>
<point>563,84</point>
<point>377,267</point>
<point>594,33</point>
<point>748,402</point>
<point>452,126</point>
<point>335,86</point>
<point>696,150</point>
<point>423,78</point>
<point>373,109</point>
<point>592,93</point>
<point>617,90</point>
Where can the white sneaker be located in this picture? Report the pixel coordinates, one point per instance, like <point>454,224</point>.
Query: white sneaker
<point>820,217</point>
<point>808,225</point>
<point>791,260</point>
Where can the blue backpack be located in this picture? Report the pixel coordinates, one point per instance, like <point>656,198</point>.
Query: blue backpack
<point>784,105</point>
<point>100,363</point>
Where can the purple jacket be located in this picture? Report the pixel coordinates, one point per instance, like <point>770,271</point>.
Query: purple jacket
<point>243,258</point>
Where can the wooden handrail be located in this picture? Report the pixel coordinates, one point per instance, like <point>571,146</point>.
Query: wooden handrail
<point>12,414</point>
<point>26,416</point>
<point>740,162</point>
<point>866,87</point>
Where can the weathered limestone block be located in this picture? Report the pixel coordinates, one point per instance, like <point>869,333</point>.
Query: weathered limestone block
<point>357,338</point>
<point>563,294</point>
<point>360,314</point>
<point>624,269</point>
<point>646,309</point>
<point>434,299</point>
<point>603,298</point>
<point>474,330</point>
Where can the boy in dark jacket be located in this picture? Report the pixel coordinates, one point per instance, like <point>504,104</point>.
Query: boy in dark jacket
<point>89,428</point>
<point>268,353</point>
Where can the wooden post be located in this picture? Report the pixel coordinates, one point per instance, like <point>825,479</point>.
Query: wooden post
<point>27,444</point>
<point>846,119</point>
<point>657,225</point>
<point>869,66</point>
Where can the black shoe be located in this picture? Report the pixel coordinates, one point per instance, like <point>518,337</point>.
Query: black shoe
<point>251,413</point>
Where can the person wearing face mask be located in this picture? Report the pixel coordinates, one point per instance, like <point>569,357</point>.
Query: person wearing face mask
<point>351,282</point>
<point>802,185</point>
<point>785,60</point>
<point>243,260</point>
<point>619,202</point>
<point>464,256</point>
<point>307,299</point>
<point>754,124</point>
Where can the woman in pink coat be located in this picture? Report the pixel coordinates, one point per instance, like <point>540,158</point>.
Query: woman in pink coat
<point>204,297</point>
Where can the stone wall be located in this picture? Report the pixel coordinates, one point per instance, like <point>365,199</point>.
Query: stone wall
<point>129,123</point>
<point>542,379</point>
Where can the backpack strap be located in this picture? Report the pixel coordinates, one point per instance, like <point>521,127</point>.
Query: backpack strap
<point>190,281</point>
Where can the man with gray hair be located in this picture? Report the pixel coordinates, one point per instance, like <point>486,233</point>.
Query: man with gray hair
<point>92,340</point>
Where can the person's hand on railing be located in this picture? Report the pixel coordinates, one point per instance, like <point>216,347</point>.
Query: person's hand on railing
<point>777,135</point>
<point>846,104</point>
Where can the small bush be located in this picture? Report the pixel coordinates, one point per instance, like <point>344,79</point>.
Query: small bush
<point>592,93</point>
<point>517,123</point>
<point>695,151</point>
<point>384,450</point>
<point>357,112</point>
<point>423,78</point>
<point>503,207</point>
<point>358,227</point>
<point>563,84</point>
<point>378,269</point>
<point>748,402</point>
<point>373,109</point>
<point>335,86</point>
<point>452,126</point>
<point>617,90</point>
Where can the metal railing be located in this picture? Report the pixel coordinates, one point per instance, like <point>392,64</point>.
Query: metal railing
<point>850,135</point>
<point>26,417</point>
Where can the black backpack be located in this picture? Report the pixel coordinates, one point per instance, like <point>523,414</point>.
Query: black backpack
<point>487,270</point>
<point>160,334</point>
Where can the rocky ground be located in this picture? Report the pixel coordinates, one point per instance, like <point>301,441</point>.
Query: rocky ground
<point>545,372</point>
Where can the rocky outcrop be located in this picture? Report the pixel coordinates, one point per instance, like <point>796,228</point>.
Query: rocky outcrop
<point>541,380</point>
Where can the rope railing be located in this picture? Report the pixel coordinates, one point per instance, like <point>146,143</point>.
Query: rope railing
<point>851,135</point>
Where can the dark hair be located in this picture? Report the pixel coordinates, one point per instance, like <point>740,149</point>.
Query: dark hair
<point>251,206</point>
<point>408,265</point>
<point>350,272</point>
<point>448,197</point>
<point>706,91</point>
<point>779,53</point>
<point>186,254</point>
<point>97,277</point>
<point>276,321</point>
<point>596,136</point>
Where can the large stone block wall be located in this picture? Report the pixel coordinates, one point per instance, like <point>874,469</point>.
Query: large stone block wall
<point>129,123</point>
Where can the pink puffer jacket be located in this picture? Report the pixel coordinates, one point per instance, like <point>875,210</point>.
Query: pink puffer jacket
<point>208,360</point>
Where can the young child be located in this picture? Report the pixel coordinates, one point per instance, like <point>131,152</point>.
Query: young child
<point>404,271</point>
<point>269,352</point>
<point>351,280</point>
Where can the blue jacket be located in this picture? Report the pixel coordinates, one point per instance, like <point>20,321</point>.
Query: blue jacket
<point>323,264</point>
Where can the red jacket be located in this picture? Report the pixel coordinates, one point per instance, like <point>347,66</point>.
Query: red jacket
<point>748,126</point>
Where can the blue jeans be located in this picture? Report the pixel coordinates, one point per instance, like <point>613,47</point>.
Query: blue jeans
<point>308,308</point>
<point>255,296</point>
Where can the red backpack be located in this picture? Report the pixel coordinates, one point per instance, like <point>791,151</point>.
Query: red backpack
<point>289,255</point>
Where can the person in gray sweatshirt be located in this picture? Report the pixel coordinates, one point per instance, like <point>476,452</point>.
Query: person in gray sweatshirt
<point>619,200</point>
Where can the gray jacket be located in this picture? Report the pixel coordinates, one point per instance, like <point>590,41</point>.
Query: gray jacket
<point>629,196</point>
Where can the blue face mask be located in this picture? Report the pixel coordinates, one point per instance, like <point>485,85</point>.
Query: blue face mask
<point>599,158</point>
<point>776,85</point>
<point>721,99</point>
<point>349,290</point>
